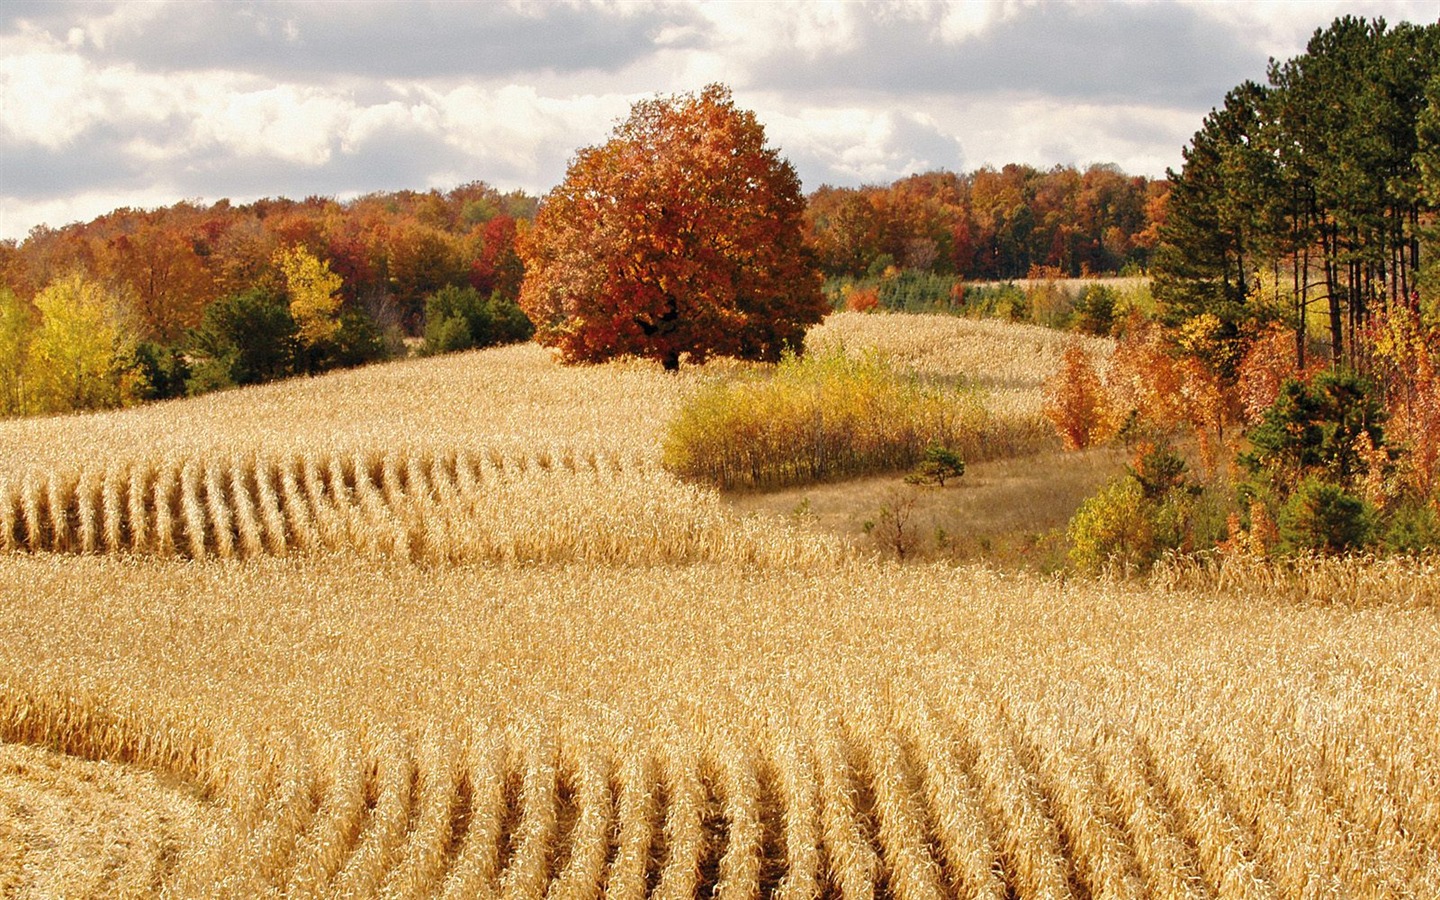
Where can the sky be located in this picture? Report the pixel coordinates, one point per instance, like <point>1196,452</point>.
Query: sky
<point>143,104</point>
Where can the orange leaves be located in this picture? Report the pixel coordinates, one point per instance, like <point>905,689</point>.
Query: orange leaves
<point>1077,405</point>
<point>1146,385</point>
<point>1405,360</point>
<point>678,236</point>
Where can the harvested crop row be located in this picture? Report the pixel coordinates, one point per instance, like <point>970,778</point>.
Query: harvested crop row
<point>450,507</point>
<point>531,814</point>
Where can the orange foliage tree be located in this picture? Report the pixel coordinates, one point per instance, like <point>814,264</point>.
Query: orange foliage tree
<point>1076,404</point>
<point>681,235</point>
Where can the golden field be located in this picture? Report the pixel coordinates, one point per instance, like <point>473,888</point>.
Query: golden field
<point>446,628</point>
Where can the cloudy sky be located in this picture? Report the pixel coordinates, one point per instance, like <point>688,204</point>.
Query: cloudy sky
<point>106,104</point>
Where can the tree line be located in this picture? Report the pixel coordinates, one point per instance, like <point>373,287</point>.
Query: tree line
<point>1307,200</point>
<point>990,224</point>
<point>1298,340</point>
<point>190,298</point>
<point>195,297</point>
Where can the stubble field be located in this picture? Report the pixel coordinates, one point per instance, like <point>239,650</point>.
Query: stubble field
<point>446,628</point>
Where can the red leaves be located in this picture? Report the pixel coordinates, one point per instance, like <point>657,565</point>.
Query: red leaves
<point>680,235</point>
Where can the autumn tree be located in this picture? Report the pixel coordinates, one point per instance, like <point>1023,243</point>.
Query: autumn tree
<point>78,352</point>
<point>1076,402</point>
<point>314,293</point>
<point>681,235</point>
<point>16,326</point>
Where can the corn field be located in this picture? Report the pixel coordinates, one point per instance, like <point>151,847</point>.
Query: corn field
<point>407,651</point>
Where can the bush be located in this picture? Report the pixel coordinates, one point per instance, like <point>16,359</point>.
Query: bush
<point>458,318</point>
<point>1322,517</point>
<point>999,301</point>
<point>356,342</point>
<point>1076,403</point>
<point>938,465</point>
<point>1116,527</point>
<point>917,292</point>
<point>1412,527</point>
<point>817,417</point>
<point>245,338</point>
<point>1158,470</point>
<point>1314,429</point>
<point>1152,510</point>
<point>1094,311</point>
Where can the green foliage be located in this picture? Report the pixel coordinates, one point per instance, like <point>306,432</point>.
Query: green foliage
<point>458,318</point>
<point>1154,509</point>
<point>817,417</point>
<point>1116,527</point>
<point>245,338</point>
<point>918,292</point>
<point>1322,517</point>
<point>1412,527</point>
<point>1158,470</point>
<point>1323,170</point>
<point>1049,303</point>
<point>997,301</point>
<point>160,371</point>
<point>1094,311</point>
<point>1314,429</point>
<point>938,465</point>
<point>356,342</point>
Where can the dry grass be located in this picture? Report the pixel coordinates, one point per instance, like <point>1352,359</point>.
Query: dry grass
<point>375,641</point>
<point>364,724</point>
<point>1008,512</point>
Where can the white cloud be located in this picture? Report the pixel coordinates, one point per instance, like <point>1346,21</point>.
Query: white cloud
<point>527,132</point>
<point>148,103</point>
<point>298,125</point>
<point>44,96</point>
<point>857,145</point>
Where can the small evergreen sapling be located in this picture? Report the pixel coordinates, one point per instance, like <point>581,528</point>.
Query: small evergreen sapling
<point>938,465</point>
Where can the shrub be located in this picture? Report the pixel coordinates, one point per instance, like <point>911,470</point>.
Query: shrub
<point>1046,297</point>
<point>1094,311</point>
<point>161,371</point>
<point>1412,527</point>
<point>1150,511</point>
<point>862,299</point>
<point>938,465</point>
<point>243,339</point>
<point>1116,527</point>
<point>1158,470</point>
<point>459,318</point>
<point>1000,301</point>
<point>1324,518</point>
<point>356,342</point>
<point>816,417</point>
<point>1076,404</point>
<point>1315,429</point>
<point>913,291</point>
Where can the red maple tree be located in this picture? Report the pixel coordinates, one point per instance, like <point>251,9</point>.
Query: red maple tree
<point>680,236</point>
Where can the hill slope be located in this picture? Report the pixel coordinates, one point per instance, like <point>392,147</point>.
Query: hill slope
<point>565,673</point>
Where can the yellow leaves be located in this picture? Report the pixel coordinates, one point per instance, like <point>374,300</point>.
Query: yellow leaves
<point>85,332</point>
<point>314,293</point>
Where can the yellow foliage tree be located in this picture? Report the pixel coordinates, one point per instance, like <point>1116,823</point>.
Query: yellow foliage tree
<point>16,327</point>
<point>314,293</point>
<point>77,357</point>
